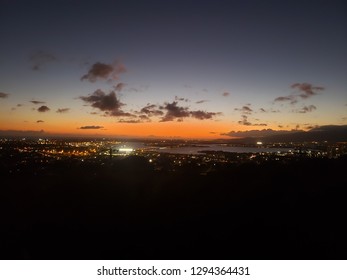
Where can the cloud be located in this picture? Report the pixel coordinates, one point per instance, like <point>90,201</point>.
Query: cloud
<point>144,118</point>
<point>40,59</point>
<point>129,121</point>
<point>292,98</point>
<point>202,115</point>
<point>245,110</point>
<point>306,89</point>
<point>91,127</point>
<point>104,71</point>
<point>178,113</point>
<point>3,95</point>
<point>63,110</point>
<point>43,109</point>
<point>173,111</point>
<point>37,102</point>
<point>119,87</point>
<point>225,94</point>
<point>40,121</point>
<point>181,99</point>
<point>201,101</point>
<point>151,110</point>
<point>307,109</point>
<point>19,105</point>
<point>244,120</point>
<point>108,103</point>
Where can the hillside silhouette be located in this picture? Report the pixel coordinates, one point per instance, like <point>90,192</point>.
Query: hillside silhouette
<point>124,209</point>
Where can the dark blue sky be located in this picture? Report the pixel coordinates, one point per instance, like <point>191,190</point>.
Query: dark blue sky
<point>255,51</point>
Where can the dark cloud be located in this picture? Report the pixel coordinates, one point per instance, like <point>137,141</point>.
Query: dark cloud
<point>144,118</point>
<point>19,105</point>
<point>151,110</point>
<point>129,121</point>
<point>40,121</point>
<point>202,115</point>
<point>108,103</point>
<point>37,102</point>
<point>63,110</point>
<point>91,127</point>
<point>244,120</point>
<point>173,111</point>
<point>103,101</point>
<point>201,101</point>
<point>104,71</point>
<point>306,89</point>
<point>40,59</point>
<point>181,99</point>
<point>119,87</point>
<point>245,110</point>
<point>262,110</point>
<point>292,98</point>
<point>307,109</point>
<point>43,109</point>
<point>225,94</point>
<point>3,95</point>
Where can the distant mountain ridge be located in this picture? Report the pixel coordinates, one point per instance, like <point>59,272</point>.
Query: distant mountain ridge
<point>330,133</point>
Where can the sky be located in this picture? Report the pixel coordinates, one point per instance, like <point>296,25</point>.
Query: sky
<point>177,69</point>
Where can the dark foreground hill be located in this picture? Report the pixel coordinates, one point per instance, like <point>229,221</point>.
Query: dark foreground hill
<point>126,210</point>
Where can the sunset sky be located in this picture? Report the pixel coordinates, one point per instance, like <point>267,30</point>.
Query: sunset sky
<point>189,69</point>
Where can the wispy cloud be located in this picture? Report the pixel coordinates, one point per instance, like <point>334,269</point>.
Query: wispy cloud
<point>37,102</point>
<point>63,110</point>
<point>245,110</point>
<point>307,109</point>
<point>225,94</point>
<point>4,95</point>
<point>40,121</point>
<point>40,58</point>
<point>305,90</point>
<point>151,110</point>
<point>181,99</point>
<point>201,101</point>
<point>91,127</point>
<point>119,87</point>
